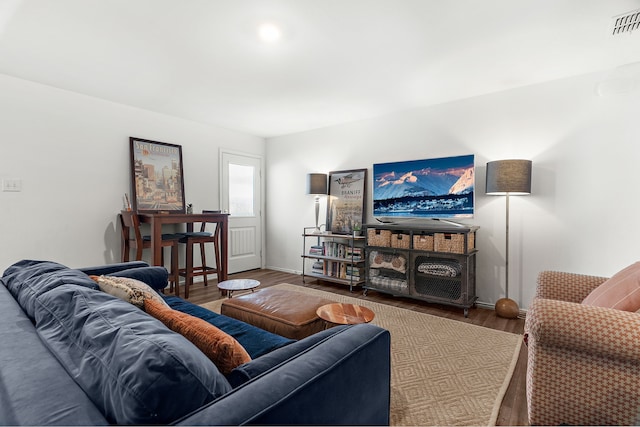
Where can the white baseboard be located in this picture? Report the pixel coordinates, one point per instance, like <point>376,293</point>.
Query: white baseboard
<point>284,270</point>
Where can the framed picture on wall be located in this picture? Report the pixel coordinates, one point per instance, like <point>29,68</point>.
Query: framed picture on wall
<point>156,176</point>
<point>346,203</point>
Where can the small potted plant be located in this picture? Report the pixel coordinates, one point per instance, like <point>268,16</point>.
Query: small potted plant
<point>357,229</point>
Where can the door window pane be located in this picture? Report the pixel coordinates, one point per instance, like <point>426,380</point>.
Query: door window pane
<point>241,190</point>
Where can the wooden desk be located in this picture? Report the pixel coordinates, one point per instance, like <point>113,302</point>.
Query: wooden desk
<point>157,220</point>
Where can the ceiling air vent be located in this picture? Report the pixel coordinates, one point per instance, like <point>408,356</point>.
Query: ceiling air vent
<point>626,23</point>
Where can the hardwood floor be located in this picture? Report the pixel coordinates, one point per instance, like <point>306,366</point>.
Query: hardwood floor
<point>514,406</point>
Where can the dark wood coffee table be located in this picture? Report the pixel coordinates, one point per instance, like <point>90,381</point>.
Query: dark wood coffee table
<point>345,314</point>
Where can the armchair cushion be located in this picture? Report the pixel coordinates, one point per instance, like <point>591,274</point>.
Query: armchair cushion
<point>622,291</point>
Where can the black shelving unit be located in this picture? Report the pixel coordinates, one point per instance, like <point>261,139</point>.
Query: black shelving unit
<point>435,263</point>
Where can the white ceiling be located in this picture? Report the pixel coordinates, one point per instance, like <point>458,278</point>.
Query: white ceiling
<point>338,60</point>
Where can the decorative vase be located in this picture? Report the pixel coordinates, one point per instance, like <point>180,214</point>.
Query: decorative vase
<point>507,308</point>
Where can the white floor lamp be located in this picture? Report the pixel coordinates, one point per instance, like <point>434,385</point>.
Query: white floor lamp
<point>508,177</point>
<point>317,186</point>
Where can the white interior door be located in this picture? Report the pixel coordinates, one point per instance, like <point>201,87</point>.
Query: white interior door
<point>241,193</point>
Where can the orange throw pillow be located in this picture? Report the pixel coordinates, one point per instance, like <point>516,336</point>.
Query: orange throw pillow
<point>223,350</point>
<point>622,291</point>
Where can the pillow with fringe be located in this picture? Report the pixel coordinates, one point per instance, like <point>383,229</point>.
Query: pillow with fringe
<point>127,289</point>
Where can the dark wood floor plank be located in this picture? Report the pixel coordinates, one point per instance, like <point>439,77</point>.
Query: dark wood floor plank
<point>514,406</point>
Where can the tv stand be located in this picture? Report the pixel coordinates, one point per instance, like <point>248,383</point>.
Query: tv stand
<point>434,263</point>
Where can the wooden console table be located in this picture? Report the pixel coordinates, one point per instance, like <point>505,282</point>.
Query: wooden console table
<point>157,220</point>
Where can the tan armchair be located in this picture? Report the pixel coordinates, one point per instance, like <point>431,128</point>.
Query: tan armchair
<point>583,361</point>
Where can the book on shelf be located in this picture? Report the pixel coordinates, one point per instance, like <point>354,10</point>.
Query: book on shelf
<point>343,270</point>
<point>354,253</point>
<point>318,267</point>
<point>354,271</point>
<point>341,250</point>
<point>316,250</point>
<point>334,269</point>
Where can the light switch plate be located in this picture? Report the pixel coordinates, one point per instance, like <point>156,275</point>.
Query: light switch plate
<point>14,184</point>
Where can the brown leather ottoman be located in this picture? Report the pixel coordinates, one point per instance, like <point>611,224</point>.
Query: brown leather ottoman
<point>287,313</point>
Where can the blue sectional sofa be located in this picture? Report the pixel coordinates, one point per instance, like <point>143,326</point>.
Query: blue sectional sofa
<point>74,355</point>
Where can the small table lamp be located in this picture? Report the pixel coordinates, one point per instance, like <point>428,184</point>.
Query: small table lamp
<point>508,177</point>
<point>317,186</point>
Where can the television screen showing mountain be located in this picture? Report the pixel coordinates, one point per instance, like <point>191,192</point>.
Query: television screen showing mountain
<point>429,188</point>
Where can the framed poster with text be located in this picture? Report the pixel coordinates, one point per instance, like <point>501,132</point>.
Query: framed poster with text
<point>156,177</point>
<point>346,204</point>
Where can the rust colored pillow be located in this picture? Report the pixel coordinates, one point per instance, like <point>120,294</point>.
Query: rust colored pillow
<point>622,291</point>
<point>223,350</point>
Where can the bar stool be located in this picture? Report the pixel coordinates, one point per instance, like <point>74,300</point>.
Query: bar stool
<point>129,221</point>
<point>200,238</point>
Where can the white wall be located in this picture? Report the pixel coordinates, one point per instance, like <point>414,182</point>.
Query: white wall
<point>72,154</point>
<point>585,152</point>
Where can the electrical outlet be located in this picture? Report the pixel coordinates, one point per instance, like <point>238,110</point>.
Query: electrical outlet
<point>14,184</point>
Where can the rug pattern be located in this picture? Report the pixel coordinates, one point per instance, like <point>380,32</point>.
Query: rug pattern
<point>444,372</point>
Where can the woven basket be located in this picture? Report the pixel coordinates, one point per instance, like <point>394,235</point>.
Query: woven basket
<point>400,241</point>
<point>423,242</point>
<point>449,242</point>
<point>377,237</point>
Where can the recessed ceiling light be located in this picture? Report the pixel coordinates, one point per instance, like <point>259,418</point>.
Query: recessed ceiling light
<point>269,33</point>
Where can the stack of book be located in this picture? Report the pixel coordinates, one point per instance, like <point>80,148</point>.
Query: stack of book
<point>353,273</point>
<point>353,253</point>
<point>318,267</point>
<point>316,250</point>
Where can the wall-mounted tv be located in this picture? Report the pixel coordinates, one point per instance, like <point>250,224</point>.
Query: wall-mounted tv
<point>430,188</point>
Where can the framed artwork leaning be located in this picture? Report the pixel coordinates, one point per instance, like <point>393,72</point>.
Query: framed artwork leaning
<point>156,177</point>
<point>346,203</point>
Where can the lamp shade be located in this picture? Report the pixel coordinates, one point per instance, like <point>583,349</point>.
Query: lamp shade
<point>317,183</point>
<point>509,177</point>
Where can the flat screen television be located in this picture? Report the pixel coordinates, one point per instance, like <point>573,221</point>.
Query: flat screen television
<point>430,188</point>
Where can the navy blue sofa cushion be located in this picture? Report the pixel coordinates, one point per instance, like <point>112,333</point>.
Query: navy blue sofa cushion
<point>156,277</point>
<point>28,279</point>
<point>131,366</point>
<point>255,340</point>
<point>34,388</point>
<point>100,270</point>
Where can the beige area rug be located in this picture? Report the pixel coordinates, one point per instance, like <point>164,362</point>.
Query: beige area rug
<point>443,372</point>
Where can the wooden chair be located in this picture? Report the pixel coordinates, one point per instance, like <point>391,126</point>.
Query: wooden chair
<point>200,238</point>
<point>129,221</point>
